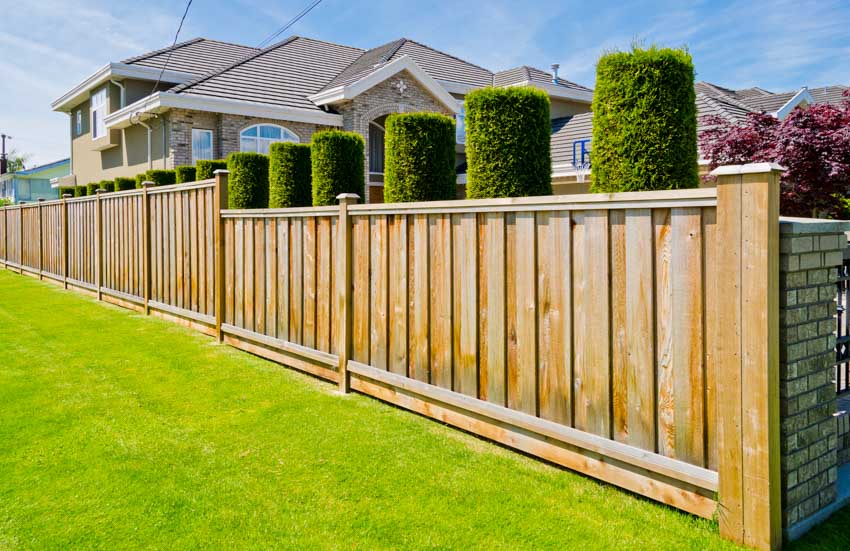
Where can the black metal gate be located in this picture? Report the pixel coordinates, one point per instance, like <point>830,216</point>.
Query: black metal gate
<point>842,341</point>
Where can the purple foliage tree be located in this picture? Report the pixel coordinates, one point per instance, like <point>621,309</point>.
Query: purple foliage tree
<point>813,144</point>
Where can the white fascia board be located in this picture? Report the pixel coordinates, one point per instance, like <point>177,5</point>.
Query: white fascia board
<point>560,92</point>
<point>161,101</point>
<point>800,97</point>
<point>389,70</point>
<point>112,71</point>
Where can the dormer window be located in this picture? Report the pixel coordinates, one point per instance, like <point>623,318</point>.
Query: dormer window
<point>98,114</point>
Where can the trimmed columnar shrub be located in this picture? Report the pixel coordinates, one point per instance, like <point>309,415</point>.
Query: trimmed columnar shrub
<point>204,170</point>
<point>122,183</point>
<point>420,158</point>
<point>80,191</point>
<point>338,164</point>
<point>161,177</point>
<point>106,185</point>
<point>644,121</point>
<point>140,178</point>
<point>290,183</point>
<point>66,189</point>
<point>92,187</point>
<point>248,183</point>
<point>185,173</point>
<point>507,143</point>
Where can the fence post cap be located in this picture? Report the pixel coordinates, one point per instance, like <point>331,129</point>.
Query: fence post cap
<point>98,191</point>
<point>347,198</point>
<point>148,183</point>
<point>41,199</point>
<point>66,196</point>
<point>221,171</point>
<point>751,168</point>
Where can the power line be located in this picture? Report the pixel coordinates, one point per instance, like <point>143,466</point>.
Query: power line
<point>171,49</point>
<point>291,22</point>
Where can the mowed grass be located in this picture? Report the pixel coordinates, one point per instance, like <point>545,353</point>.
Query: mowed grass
<point>121,431</point>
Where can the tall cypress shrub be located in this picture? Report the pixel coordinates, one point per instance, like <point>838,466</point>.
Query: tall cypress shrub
<point>290,181</point>
<point>644,121</point>
<point>420,158</point>
<point>204,170</point>
<point>338,165</point>
<point>507,143</point>
<point>248,183</point>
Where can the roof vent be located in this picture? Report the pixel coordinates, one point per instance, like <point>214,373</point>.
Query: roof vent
<point>555,67</point>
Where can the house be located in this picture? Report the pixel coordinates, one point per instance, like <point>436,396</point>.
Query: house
<point>33,184</point>
<point>571,135</point>
<point>214,98</point>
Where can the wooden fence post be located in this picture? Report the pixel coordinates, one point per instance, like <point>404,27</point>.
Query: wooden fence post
<point>146,245</point>
<point>65,197</point>
<point>21,237</point>
<point>343,290</point>
<point>219,204</point>
<point>748,354</point>
<point>40,241</point>
<point>99,243</point>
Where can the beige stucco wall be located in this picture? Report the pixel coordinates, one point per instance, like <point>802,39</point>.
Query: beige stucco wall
<point>564,108</point>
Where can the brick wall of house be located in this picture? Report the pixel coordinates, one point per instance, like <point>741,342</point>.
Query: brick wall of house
<point>226,129</point>
<point>810,254</point>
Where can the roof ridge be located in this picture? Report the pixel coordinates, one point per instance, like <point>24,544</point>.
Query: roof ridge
<point>249,57</point>
<point>327,42</point>
<point>228,43</point>
<point>448,55</point>
<point>399,42</point>
<point>163,50</point>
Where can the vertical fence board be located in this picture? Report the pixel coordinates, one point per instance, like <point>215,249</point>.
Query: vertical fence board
<point>283,279</point>
<point>360,323</point>
<point>309,323</point>
<point>324,291</point>
<point>420,345</point>
<point>296,281</point>
<point>492,367</point>
<point>465,315</point>
<point>379,289</point>
<point>664,332</point>
<point>398,277</point>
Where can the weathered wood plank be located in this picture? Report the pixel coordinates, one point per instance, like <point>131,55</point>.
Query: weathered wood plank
<point>664,332</point>
<point>271,276</point>
<point>712,307</point>
<point>420,345</point>
<point>324,295</point>
<point>379,291</point>
<point>296,281</point>
<point>619,350</point>
<point>283,279</point>
<point>259,271</point>
<point>309,316</point>
<point>492,368</point>
<point>522,378</point>
<point>361,252</point>
<point>465,292</point>
<point>554,310</point>
<point>239,273</point>
<point>398,277</point>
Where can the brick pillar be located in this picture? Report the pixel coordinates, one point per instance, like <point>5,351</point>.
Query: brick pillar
<point>810,252</point>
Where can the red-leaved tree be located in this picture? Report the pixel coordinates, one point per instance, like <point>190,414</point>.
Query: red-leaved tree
<point>813,144</point>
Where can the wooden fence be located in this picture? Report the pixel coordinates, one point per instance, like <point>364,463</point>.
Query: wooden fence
<point>631,337</point>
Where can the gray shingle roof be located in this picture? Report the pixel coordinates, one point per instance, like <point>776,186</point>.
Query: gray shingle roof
<point>437,64</point>
<point>759,99</point>
<point>283,74</point>
<point>719,106</point>
<point>533,75</point>
<point>197,56</point>
<point>567,130</point>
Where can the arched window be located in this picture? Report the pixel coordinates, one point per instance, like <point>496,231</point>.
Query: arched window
<point>260,136</point>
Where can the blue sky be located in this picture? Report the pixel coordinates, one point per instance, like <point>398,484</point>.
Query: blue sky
<point>48,46</point>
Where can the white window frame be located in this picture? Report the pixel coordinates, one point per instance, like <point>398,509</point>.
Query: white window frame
<point>98,114</point>
<point>384,130</point>
<point>262,144</point>
<point>460,124</point>
<point>78,122</point>
<point>195,156</point>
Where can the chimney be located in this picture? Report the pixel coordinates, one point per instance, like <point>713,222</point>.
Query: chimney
<point>555,67</point>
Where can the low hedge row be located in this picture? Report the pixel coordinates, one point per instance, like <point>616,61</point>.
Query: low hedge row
<point>161,177</point>
<point>248,182</point>
<point>290,181</point>
<point>123,184</point>
<point>185,173</point>
<point>63,190</point>
<point>80,191</point>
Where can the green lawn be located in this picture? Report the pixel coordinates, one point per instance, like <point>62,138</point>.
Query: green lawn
<point>121,431</point>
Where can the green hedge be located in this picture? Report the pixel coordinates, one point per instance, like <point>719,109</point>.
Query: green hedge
<point>80,191</point>
<point>161,177</point>
<point>106,185</point>
<point>338,165</point>
<point>66,189</point>
<point>92,187</point>
<point>507,143</point>
<point>140,179</point>
<point>204,170</point>
<point>420,158</point>
<point>644,121</point>
<point>290,182</point>
<point>185,174</point>
<point>122,183</point>
<point>248,183</point>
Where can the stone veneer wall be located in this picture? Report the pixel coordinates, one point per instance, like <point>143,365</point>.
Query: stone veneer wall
<point>226,129</point>
<point>810,251</point>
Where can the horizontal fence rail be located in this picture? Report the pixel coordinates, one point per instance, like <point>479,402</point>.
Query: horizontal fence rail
<point>612,334</point>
